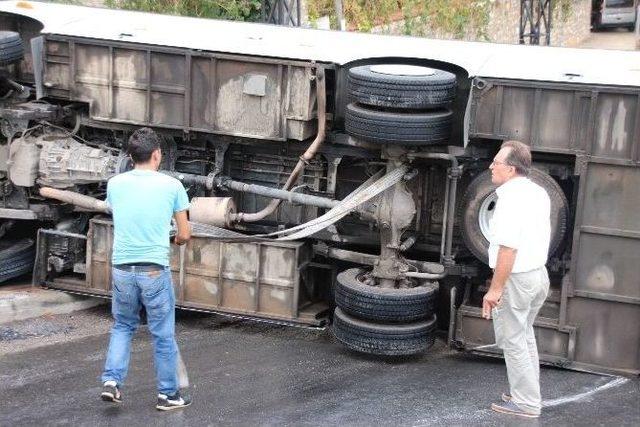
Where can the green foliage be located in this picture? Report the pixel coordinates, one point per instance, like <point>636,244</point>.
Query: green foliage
<point>449,16</point>
<point>563,8</point>
<point>72,2</point>
<point>238,10</point>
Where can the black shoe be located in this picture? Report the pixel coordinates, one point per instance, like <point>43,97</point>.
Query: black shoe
<point>167,403</point>
<point>111,392</point>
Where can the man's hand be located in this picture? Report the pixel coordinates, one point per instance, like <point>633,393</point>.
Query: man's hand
<point>184,229</point>
<point>490,300</point>
<point>504,265</point>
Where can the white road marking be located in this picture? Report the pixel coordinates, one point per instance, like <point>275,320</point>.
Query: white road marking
<point>484,347</point>
<point>618,381</point>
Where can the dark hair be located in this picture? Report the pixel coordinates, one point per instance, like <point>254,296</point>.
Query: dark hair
<point>519,156</point>
<point>142,143</point>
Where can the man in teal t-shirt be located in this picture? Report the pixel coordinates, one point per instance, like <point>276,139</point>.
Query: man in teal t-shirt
<point>143,201</point>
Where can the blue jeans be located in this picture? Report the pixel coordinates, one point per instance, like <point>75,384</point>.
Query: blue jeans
<point>154,290</point>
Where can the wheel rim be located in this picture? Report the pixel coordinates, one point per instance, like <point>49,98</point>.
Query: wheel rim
<point>368,279</point>
<point>487,209</point>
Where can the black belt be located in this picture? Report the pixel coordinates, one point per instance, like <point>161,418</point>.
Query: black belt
<point>140,266</point>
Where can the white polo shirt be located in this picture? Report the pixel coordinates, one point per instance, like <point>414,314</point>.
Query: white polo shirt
<point>522,221</point>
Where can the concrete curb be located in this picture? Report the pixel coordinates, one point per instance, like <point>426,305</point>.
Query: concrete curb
<point>26,302</point>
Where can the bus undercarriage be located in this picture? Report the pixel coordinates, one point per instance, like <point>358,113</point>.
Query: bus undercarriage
<point>357,193</point>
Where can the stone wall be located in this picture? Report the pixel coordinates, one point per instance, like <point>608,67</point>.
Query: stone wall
<point>567,29</point>
<point>571,30</point>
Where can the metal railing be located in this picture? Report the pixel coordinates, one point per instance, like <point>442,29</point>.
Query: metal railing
<point>535,21</point>
<point>282,12</point>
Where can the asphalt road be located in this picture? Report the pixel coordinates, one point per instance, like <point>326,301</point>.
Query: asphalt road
<point>247,373</point>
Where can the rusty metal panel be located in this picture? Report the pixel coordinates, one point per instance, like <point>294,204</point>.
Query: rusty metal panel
<point>611,195</point>
<point>301,97</point>
<point>202,257</point>
<point>603,299</point>
<point>517,113</point>
<point>238,295</point>
<point>130,68</point>
<point>553,117</point>
<point>475,333</point>
<point>202,290</point>
<point>259,279</point>
<point>615,125</point>
<point>278,266</point>
<point>123,99</point>
<point>181,89</point>
<point>57,73</point>
<point>168,89</point>
<point>300,100</point>
<point>203,92</point>
<point>248,100</point>
<point>557,107</point>
<point>99,245</point>
<point>483,110</point>
<point>92,78</point>
<point>608,333</point>
<point>276,300</point>
<point>608,265</point>
<point>240,261</point>
<point>92,63</point>
<point>130,81</point>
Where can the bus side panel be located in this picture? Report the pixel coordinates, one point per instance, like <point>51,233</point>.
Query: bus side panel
<point>600,126</point>
<point>557,117</point>
<point>182,89</point>
<point>603,298</point>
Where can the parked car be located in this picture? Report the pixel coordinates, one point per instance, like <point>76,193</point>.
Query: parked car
<point>613,13</point>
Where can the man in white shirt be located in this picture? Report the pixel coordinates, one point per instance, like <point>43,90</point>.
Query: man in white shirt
<point>519,243</point>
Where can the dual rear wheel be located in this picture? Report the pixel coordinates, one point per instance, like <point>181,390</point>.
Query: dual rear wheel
<point>402,105</point>
<point>384,321</point>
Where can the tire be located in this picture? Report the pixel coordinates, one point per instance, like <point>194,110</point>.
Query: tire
<point>401,86</point>
<point>5,225</point>
<point>384,127</point>
<point>480,198</point>
<point>381,304</point>
<point>383,339</point>
<point>11,47</point>
<point>16,258</point>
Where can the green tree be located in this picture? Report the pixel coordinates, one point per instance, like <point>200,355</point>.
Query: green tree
<point>237,10</point>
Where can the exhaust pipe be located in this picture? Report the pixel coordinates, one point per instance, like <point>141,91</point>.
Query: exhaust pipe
<point>82,201</point>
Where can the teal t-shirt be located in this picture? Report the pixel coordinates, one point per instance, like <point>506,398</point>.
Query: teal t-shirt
<point>142,203</point>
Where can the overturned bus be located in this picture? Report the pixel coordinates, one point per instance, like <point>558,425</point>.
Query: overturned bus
<point>332,175</point>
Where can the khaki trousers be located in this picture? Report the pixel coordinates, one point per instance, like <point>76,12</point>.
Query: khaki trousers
<point>523,296</point>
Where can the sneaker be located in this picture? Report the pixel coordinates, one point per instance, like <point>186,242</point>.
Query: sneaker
<point>111,392</point>
<point>167,403</point>
<point>505,397</point>
<point>512,409</point>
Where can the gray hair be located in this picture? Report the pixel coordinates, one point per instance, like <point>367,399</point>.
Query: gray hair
<point>519,156</point>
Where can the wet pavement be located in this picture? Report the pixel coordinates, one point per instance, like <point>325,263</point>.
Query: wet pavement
<point>248,373</point>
